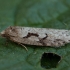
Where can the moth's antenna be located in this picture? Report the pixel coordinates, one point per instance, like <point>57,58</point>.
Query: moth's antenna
<point>24,47</point>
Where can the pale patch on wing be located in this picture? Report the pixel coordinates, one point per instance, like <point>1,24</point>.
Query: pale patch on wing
<point>33,38</point>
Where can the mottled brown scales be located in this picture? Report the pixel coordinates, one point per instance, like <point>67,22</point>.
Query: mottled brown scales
<point>37,36</point>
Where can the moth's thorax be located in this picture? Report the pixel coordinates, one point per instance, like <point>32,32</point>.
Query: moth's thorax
<point>9,32</point>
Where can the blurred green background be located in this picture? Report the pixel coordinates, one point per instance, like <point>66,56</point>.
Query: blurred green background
<point>33,13</point>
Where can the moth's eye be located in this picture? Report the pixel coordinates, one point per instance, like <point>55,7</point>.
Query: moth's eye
<point>13,30</point>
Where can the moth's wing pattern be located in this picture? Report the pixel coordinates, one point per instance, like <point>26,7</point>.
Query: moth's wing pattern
<point>37,36</point>
<point>25,41</point>
<point>42,36</point>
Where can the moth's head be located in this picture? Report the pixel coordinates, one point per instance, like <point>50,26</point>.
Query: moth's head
<point>9,32</point>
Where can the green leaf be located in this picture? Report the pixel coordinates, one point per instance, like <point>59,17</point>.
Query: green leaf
<point>35,13</point>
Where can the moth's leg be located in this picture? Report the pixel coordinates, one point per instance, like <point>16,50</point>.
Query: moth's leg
<point>7,41</point>
<point>24,47</point>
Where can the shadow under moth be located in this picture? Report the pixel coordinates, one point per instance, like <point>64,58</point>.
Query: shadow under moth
<point>37,36</point>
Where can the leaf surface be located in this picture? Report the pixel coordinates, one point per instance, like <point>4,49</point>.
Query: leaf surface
<point>35,13</point>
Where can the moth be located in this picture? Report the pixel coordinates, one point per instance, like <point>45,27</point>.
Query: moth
<point>37,36</point>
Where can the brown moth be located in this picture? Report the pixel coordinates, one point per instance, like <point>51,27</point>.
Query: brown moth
<point>37,36</point>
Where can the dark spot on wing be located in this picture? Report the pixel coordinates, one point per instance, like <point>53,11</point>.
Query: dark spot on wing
<point>31,34</point>
<point>42,42</point>
<point>45,37</point>
<point>58,40</point>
